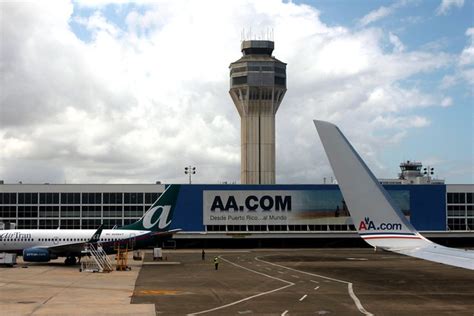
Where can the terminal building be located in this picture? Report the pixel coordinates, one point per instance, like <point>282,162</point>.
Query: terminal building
<point>265,215</point>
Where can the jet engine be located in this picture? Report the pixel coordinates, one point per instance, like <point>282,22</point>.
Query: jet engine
<point>37,255</point>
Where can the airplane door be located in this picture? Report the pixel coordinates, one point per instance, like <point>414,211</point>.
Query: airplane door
<point>55,240</point>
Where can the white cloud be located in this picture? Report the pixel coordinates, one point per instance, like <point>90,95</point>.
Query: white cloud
<point>467,74</point>
<point>376,15</point>
<point>140,101</point>
<point>446,6</point>
<point>446,102</point>
<point>98,24</point>
<point>464,71</point>
<point>467,55</point>
<point>398,46</point>
<point>448,81</point>
<point>383,12</point>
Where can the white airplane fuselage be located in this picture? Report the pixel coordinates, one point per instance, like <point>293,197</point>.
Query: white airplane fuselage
<point>16,240</point>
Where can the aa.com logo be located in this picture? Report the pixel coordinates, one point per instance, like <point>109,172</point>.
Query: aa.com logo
<point>368,224</point>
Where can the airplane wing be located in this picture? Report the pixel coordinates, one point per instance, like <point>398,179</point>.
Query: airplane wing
<point>167,233</point>
<point>78,246</point>
<point>96,237</point>
<point>67,248</point>
<point>378,220</point>
<point>433,252</point>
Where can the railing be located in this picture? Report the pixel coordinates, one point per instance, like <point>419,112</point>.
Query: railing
<point>100,261</point>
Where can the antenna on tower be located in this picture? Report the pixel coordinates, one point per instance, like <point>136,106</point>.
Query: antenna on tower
<point>266,34</point>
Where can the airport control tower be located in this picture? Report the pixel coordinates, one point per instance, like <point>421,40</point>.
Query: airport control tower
<point>257,87</point>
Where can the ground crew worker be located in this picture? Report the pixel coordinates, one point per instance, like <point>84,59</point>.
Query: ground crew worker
<point>216,263</point>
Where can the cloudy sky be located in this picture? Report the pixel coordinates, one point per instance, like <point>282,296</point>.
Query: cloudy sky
<point>119,92</point>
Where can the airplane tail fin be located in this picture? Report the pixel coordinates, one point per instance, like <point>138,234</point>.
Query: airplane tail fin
<point>378,220</point>
<point>159,216</point>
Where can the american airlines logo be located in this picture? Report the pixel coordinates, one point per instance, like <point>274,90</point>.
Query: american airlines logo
<point>368,224</point>
<point>162,220</point>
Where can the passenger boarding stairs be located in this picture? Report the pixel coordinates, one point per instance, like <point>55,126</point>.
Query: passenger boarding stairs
<point>98,260</point>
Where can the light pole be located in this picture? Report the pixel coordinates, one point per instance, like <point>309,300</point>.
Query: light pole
<point>428,172</point>
<point>190,171</point>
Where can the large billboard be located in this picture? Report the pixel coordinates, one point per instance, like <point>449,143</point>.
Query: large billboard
<point>282,207</point>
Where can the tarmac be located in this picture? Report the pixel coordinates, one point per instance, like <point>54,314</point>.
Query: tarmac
<point>247,282</point>
<point>56,289</point>
<point>304,282</point>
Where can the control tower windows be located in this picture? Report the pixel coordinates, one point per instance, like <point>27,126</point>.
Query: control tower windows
<point>238,69</point>
<point>239,80</point>
<point>279,70</point>
<point>280,81</point>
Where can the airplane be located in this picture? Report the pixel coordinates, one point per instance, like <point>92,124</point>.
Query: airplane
<point>46,244</point>
<point>378,220</point>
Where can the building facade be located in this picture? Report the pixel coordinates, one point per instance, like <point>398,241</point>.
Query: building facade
<point>460,207</point>
<point>76,206</point>
<point>227,211</point>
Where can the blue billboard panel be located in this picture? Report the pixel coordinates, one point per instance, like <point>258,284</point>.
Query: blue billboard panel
<point>280,207</point>
<point>201,205</point>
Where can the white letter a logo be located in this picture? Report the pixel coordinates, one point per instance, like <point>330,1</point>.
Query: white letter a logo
<point>161,220</point>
